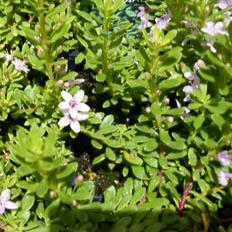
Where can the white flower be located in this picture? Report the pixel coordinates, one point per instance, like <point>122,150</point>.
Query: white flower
<point>198,65</point>
<point>9,57</point>
<point>186,110</point>
<point>73,105</point>
<point>68,120</point>
<point>20,65</point>
<point>223,177</point>
<point>5,203</point>
<point>228,17</point>
<point>73,110</point>
<point>163,21</point>
<point>194,84</point>
<point>223,4</point>
<point>211,47</point>
<point>214,28</point>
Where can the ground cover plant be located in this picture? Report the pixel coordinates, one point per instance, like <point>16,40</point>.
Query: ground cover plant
<point>115,115</point>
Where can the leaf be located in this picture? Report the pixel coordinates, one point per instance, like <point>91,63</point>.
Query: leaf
<point>207,75</point>
<point>150,145</point>
<point>52,208</point>
<point>151,161</point>
<point>172,82</point>
<point>170,58</point>
<point>204,186</point>
<point>156,108</point>
<point>96,144</point>
<point>171,177</point>
<point>166,139</point>
<point>176,155</point>
<point>67,171</point>
<point>139,172</point>
<point>215,60</point>
<point>199,120</point>
<point>85,192</point>
<point>132,158</point>
<point>218,120</point>
<point>27,202</point>
<point>42,188</point>
<point>110,154</point>
<point>99,159</point>
<point>169,37</point>
<point>192,157</point>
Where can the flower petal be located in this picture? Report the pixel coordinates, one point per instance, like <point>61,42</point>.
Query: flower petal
<point>79,96</point>
<point>75,126</point>
<point>83,107</point>
<point>66,96</point>
<point>5,196</point>
<point>64,122</point>
<point>63,106</point>
<point>188,89</point>
<point>81,117</point>
<point>11,205</point>
<point>2,209</point>
<point>73,113</point>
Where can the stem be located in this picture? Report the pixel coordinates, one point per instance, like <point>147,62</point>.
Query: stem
<point>184,197</point>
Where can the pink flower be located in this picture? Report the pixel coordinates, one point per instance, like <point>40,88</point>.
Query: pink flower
<point>5,203</point>
<point>223,158</point>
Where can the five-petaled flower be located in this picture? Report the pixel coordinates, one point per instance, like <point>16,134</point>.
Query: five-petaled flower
<point>73,109</point>
<point>223,4</point>
<point>223,177</point>
<point>144,17</point>
<point>163,21</point>
<point>18,64</point>
<point>194,83</point>
<point>213,29</point>
<point>223,158</point>
<point>5,202</point>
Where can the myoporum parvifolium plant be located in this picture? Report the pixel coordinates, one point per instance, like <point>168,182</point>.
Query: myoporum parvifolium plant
<point>115,115</point>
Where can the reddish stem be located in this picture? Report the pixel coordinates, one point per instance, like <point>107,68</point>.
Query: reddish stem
<point>184,196</point>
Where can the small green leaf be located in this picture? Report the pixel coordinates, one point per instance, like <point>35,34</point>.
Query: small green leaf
<point>27,202</point>
<point>156,108</point>
<point>132,158</point>
<point>218,120</point>
<point>67,171</point>
<point>99,159</point>
<point>172,82</point>
<point>96,144</point>
<point>199,120</point>
<point>215,60</point>
<point>42,188</point>
<point>52,208</point>
<point>110,154</point>
<point>85,192</point>
<point>192,157</point>
<point>139,172</point>
<point>176,155</point>
<point>151,145</point>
